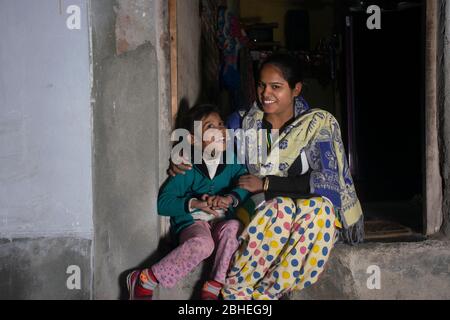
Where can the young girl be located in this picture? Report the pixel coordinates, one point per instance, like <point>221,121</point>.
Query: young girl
<point>200,205</point>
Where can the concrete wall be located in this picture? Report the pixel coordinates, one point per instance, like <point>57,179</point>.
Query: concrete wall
<point>36,268</point>
<point>127,146</point>
<point>45,150</point>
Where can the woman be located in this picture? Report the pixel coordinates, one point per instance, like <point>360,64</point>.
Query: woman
<point>309,195</point>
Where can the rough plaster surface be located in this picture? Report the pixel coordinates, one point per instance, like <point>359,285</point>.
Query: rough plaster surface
<point>126,157</point>
<point>36,269</point>
<point>408,271</point>
<point>103,24</point>
<point>134,25</point>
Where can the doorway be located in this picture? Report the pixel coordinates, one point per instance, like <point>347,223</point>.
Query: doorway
<point>384,106</point>
<point>372,81</point>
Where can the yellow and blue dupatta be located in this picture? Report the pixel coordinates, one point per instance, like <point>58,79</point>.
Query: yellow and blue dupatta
<point>317,133</point>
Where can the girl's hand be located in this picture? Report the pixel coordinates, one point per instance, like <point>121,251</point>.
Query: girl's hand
<point>218,202</point>
<point>251,183</point>
<point>203,205</point>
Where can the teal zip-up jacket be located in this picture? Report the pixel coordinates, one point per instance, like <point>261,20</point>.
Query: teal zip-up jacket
<point>174,195</point>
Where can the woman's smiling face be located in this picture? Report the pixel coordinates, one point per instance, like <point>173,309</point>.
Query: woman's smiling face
<point>274,92</point>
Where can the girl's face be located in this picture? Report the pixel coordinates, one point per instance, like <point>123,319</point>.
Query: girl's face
<point>214,132</point>
<point>274,93</point>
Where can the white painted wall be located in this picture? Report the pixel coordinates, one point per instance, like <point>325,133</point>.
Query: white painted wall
<point>45,121</point>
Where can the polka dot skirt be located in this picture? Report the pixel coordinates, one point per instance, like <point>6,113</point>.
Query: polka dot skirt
<point>284,248</point>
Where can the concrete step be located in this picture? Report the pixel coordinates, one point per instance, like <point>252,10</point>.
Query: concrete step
<point>407,270</point>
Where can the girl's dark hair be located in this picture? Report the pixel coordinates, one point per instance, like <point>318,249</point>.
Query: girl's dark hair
<point>186,117</point>
<point>289,66</point>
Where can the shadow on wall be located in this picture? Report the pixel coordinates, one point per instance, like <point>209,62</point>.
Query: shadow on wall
<point>163,249</point>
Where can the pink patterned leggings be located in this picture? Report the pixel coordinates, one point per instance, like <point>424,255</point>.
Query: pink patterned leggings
<point>197,243</point>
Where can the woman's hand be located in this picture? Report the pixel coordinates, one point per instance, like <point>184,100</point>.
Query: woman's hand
<point>203,205</point>
<point>175,169</point>
<point>251,183</point>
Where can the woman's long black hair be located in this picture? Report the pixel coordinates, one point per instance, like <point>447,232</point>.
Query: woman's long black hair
<point>289,66</point>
